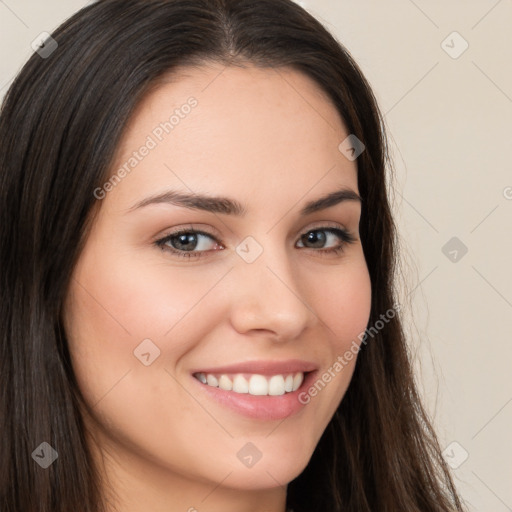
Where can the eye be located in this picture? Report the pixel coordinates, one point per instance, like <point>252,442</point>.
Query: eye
<point>188,243</point>
<point>191,243</point>
<point>318,237</point>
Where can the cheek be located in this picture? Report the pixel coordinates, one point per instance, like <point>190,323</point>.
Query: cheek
<point>116,303</point>
<point>125,300</point>
<point>344,304</point>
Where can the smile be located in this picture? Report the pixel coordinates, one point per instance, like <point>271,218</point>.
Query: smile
<point>253,384</point>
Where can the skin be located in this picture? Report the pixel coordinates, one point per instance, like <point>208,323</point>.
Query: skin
<point>269,139</point>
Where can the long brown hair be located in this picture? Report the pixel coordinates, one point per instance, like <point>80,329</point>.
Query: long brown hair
<point>60,124</point>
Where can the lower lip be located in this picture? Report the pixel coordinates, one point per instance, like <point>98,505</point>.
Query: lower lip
<point>263,407</point>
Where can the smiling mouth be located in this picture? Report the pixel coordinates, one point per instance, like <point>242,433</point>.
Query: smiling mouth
<point>254,384</point>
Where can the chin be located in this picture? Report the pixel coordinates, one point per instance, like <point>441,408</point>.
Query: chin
<point>272,471</point>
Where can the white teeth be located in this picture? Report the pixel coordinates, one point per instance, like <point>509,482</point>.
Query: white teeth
<point>225,383</point>
<point>259,385</point>
<point>276,385</point>
<point>212,380</point>
<point>240,384</point>
<point>297,381</point>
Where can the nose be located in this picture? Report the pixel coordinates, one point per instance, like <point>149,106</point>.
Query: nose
<point>266,296</point>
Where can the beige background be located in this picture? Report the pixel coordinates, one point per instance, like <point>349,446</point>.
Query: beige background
<point>449,122</point>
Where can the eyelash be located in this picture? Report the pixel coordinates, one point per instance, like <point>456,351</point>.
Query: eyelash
<point>344,235</point>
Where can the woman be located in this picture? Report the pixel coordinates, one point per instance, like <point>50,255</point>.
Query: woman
<point>198,310</point>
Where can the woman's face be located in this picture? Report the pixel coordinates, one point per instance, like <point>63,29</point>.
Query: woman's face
<point>250,297</point>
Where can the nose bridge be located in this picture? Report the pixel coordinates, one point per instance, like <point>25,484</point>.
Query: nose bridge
<point>268,295</point>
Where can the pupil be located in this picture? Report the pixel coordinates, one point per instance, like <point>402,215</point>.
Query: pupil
<point>317,237</point>
<point>188,238</point>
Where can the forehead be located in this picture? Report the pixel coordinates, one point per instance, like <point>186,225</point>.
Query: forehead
<point>236,131</point>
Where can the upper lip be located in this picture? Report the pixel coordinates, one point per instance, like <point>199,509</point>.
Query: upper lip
<point>272,367</point>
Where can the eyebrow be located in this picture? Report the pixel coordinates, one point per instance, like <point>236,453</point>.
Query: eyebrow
<point>225,205</point>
